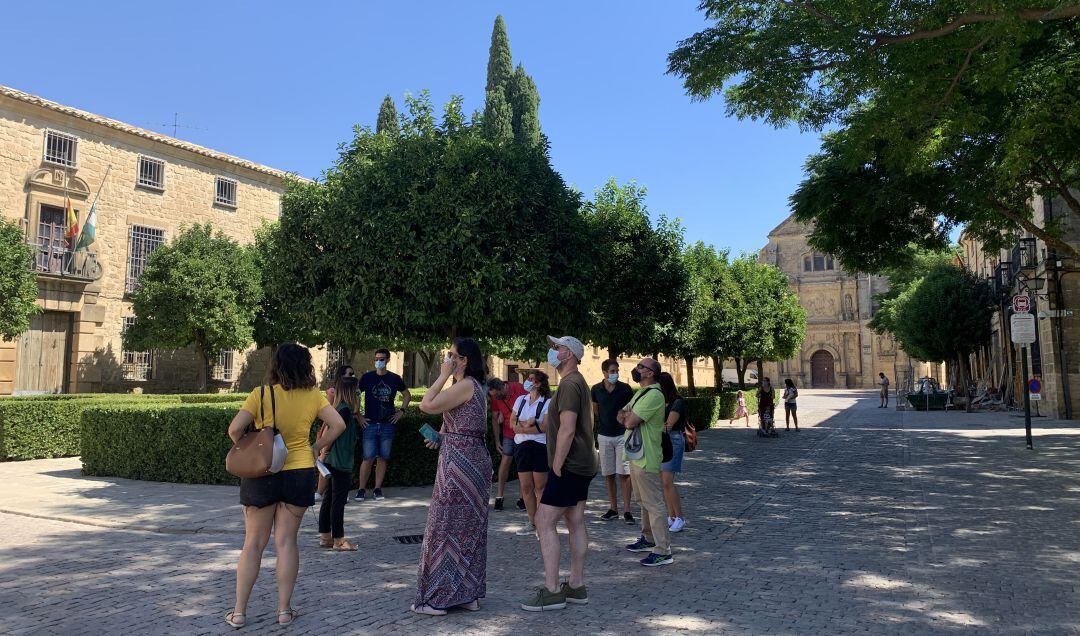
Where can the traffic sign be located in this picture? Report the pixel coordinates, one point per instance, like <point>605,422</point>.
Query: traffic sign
<point>1021,304</point>
<point>1034,385</point>
<point>1023,328</point>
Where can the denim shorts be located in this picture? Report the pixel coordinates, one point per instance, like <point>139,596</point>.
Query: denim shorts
<point>508,447</point>
<point>378,439</point>
<point>678,446</point>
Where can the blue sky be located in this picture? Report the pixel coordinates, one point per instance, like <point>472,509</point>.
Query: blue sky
<point>282,83</point>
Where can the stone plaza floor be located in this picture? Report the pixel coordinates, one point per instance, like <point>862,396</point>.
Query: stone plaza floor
<point>868,521</point>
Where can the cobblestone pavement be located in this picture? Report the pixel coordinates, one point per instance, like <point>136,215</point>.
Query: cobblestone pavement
<point>868,521</point>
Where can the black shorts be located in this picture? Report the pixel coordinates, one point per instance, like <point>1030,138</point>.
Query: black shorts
<point>566,491</point>
<point>791,406</point>
<point>531,457</point>
<point>295,487</point>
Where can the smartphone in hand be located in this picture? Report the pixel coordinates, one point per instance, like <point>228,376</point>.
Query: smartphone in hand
<point>430,434</point>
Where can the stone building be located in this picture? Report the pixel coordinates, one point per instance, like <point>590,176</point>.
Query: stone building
<point>1052,283</point>
<point>150,186</point>
<point>840,350</point>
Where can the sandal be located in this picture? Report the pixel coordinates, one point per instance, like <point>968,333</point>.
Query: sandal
<point>427,609</point>
<point>289,615</point>
<point>325,541</point>
<point>343,545</point>
<point>472,606</point>
<point>235,620</point>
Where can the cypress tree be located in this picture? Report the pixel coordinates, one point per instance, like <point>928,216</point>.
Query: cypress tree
<point>388,117</point>
<point>525,102</point>
<point>500,64</point>
<point>498,117</point>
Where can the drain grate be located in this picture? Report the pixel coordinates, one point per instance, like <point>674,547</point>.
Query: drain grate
<point>410,539</point>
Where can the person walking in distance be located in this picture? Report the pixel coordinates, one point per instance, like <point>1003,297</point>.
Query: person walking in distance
<point>339,458</point>
<point>766,397</point>
<point>453,557</point>
<point>380,388</point>
<point>530,443</point>
<point>740,410</point>
<point>790,407</point>
<point>572,461</point>
<point>884,382</point>
<point>503,397</point>
<point>276,502</point>
<point>646,412</point>
<point>674,426</point>
<point>609,397</point>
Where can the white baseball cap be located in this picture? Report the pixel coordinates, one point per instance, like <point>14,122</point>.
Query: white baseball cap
<point>571,343</point>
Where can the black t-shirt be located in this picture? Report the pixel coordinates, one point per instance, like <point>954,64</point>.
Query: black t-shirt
<point>608,404</point>
<point>677,407</point>
<point>379,392</point>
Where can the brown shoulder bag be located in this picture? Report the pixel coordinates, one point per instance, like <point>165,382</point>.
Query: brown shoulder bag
<point>253,455</point>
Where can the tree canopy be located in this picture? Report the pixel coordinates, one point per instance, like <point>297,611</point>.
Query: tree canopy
<point>771,323</point>
<point>201,289</point>
<point>18,283</point>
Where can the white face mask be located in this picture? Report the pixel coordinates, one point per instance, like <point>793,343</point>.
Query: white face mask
<point>613,378</point>
<point>553,358</point>
<point>380,364</point>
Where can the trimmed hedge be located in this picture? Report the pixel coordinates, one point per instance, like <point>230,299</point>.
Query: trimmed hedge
<point>188,443</point>
<point>706,410</point>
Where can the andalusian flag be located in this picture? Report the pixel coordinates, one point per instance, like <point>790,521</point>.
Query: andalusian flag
<point>87,236</point>
<point>72,224</point>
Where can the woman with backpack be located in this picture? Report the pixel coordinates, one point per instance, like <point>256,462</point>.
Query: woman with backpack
<point>339,459</point>
<point>530,443</point>
<point>674,427</point>
<point>790,395</point>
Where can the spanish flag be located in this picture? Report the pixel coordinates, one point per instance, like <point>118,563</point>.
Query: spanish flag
<point>72,224</point>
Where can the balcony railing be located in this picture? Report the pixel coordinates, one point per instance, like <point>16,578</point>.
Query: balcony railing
<point>51,259</point>
<point>1024,256</point>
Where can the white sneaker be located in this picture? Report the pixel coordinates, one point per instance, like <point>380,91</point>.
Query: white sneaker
<point>676,525</point>
<point>526,531</point>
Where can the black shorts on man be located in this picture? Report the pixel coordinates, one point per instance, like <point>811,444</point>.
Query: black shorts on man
<point>565,491</point>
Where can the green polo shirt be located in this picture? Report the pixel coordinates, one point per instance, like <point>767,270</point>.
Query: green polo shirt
<point>648,404</point>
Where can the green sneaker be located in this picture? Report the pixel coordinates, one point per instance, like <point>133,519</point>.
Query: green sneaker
<point>577,595</point>
<point>541,600</point>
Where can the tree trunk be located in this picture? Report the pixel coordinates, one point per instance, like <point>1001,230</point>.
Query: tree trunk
<point>740,369</point>
<point>656,356</point>
<point>204,366</point>
<point>718,372</point>
<point>962,379</point>
<point>690,375</point>
<point>613,352</point>
<point>761,372</point>
<point>429,365</point>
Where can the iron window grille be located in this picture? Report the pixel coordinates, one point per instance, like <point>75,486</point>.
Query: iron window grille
<point>225,192</point>
<point>151,173</point>
<point>135,365</point>
<point>61,148</point>
<point>141,244</point>
<point>223,370</point>
<point>335,357</point>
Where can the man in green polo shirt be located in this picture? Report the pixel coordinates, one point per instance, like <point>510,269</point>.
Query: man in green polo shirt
<point>646,412</point>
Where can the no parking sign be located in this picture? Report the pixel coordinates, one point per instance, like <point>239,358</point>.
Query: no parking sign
<point>1035,388</point>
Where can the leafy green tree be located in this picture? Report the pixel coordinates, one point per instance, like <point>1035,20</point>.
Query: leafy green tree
<point>525,103</point>
<point>498,123</point>
<point>200,290</point>
<point>18,283</point>
<point>642,291</point>
<point>286,272</point>
<point>388,117</point>
<point>714,311</point>
<point>944,317</point>
<point>770,324</point>
<point>949,113</point>
<point>500,63</point>
<point>916,264</point>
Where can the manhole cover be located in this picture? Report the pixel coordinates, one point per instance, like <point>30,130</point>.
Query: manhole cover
<point>410,538</point>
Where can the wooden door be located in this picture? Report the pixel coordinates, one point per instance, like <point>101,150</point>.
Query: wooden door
<point>821,370</point>
<point>42,354</point>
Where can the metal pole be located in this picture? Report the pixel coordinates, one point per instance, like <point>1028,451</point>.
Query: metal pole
<point>1062,349</point>
<point>1027,398</point>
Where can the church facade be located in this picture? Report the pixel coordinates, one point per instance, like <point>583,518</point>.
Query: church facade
<point>840,350</point>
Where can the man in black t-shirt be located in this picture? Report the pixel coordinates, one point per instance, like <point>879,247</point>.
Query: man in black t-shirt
<point>380,387</point>
<point>609,397</point>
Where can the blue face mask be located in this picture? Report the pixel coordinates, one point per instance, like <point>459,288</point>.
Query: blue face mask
<point>553,358</point>
<point>380,364</point>
<point>529,385</point>
<point>613,378</point>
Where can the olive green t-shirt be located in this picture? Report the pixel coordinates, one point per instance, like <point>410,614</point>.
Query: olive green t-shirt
<point>573,396</point>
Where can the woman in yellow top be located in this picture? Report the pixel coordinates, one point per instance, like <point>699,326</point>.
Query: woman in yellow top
<point>277,502</point>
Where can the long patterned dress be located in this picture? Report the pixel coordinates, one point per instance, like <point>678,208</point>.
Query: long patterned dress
<point>453,558</point>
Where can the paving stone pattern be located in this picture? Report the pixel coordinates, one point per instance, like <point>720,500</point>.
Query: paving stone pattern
<point>868,521</point>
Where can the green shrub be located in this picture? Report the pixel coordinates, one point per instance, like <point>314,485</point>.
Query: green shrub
<point>704,411</point>
<point>211,398</point>
<point>187,444</point>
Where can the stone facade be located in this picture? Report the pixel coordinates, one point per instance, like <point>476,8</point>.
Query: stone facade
<point>840,350</point>
<point>75,345</point>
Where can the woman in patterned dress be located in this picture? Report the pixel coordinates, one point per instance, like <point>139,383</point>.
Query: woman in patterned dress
<point>453,558</point>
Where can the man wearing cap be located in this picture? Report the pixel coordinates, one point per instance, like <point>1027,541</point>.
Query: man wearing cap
<point>572,462</point>
<point>646,411</point>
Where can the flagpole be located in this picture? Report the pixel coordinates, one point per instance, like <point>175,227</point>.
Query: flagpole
<point>82,229</point>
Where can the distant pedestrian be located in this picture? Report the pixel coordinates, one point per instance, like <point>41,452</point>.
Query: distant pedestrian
<point>646,412</point>
<point>609,397</point>
<point>766,396</point>
<point>340,458</point>
<point>791,394</point>
<point>572,465</point>
<point>503,396</point>
<point>380,388</point>
<point>276,503</point>
<point>740,409</point>
<point>884,382</point>
<point>530,443</point>
<point>453,557</point>
<point>674,426</point>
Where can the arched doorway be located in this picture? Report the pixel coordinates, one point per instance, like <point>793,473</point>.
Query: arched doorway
<point>821,370</point>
